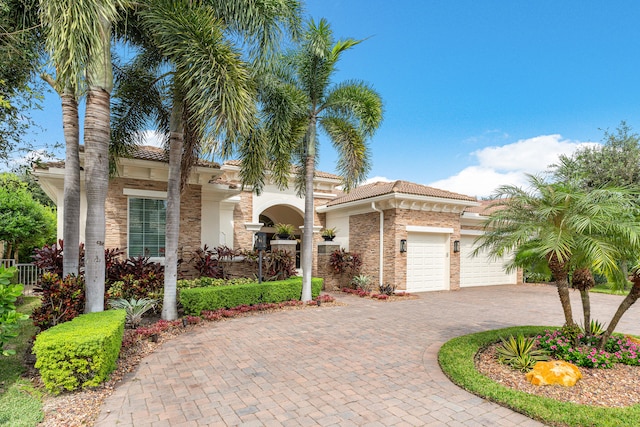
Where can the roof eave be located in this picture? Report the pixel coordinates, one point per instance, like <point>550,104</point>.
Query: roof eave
<point>398,196</point>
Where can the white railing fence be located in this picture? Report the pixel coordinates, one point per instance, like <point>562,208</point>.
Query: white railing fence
<point>28,274</point>
<point>6,263</point>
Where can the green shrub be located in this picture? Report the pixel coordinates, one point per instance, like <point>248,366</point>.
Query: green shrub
<point>195,300</point>
<point>80,353</point>
<point>62,300</point>
<point>9,317</point>
<point>211,281</point>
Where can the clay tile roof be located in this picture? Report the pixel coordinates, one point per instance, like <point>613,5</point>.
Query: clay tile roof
<point>319,174</point>
<point>401,187</point>
<point>156,154</point>
<point>147,152</point>
<point>485,208</point>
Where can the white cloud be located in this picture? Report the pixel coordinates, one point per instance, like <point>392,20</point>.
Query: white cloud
<point>377,179</point>
<point>528,155</point>
<point>152,137</point>
<point>15,162</point>
<point>508,164</point>
<point>479,181</point>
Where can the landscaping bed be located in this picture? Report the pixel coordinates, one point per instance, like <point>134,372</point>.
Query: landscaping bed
<point>618,386</point>
<point>81,408</point>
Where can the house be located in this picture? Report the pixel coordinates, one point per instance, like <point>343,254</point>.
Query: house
<point>416,237</point>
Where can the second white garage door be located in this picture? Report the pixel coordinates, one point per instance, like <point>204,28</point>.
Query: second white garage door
<point>427,262</point>
<point>481,270</point>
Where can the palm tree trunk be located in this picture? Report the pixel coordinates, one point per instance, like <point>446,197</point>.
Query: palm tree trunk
<point>626,303</point>
<point>583,281</point>
<point>307,238</point>
<point>559,272</point>
<point>586,309</point>
<point>97,136</point>
<point>71,221</point>
<point>172,233</point>
<point>96,183</point>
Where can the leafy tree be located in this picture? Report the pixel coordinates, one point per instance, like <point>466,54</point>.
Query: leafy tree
<point>614,163</point>
<point>20,45</point>
<point>196,86</point>
<point>298,99</point>
<point>568,227</point>
<point>23,221</point>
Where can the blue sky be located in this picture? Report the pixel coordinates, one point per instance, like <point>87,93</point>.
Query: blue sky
<point>478,92</point>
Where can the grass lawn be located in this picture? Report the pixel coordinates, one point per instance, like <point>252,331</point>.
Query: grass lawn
<point>20,403</point>
<point>606,288</point>
<point>456,358</point>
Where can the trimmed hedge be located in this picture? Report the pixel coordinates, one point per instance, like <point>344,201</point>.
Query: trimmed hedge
<point>213,298</point>
<point>202,282</point>
<point>81,352</point>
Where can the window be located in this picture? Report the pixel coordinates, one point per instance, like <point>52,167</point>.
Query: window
<point>147,227</point>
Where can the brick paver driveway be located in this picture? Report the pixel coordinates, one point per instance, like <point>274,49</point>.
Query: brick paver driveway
<point>368,363</point>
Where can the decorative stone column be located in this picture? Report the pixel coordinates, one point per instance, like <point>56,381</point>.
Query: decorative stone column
<point>314,256</point>
<point>284,245</point>
<point>331,279</point>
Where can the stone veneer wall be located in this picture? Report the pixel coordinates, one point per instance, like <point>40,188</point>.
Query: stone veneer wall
<point>430,219</point>
<point>242,213</point>
<point>364,239</point>
<point>117,214</point>
<point>237,268</point>
<point>332,280</point>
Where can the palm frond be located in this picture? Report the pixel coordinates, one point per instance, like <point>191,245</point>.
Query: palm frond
<point>353,159</point>
<point>216,84</point>
<point>356,101</point>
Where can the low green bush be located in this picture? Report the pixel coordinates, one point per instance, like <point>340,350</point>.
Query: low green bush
<point>215,297</point>
<point>80,353</point>
<point>203,282</point>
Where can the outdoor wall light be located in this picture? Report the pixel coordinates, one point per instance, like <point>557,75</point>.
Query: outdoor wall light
<point>456,246</point>
<point>403,245</point>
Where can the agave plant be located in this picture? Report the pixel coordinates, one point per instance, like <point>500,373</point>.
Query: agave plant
<point>595,328</point>
<point>362,281</point>
<point>134,308</point>
<point>518,352</point>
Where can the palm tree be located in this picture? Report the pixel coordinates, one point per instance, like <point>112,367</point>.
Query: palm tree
<point>566,226</point>
<point>78,40</point>
<point>628,301</point>
<point>211,91</point>
<point>298,99</point>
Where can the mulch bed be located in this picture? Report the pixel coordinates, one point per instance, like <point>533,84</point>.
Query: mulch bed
<point>615,387</point>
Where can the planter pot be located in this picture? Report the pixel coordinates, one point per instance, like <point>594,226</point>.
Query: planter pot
<point>328,238</point>
<point>283,236</point>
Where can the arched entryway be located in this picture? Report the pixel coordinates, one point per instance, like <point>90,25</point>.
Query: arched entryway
<point>282,214</point>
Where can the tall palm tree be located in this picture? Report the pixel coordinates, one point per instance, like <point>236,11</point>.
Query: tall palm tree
<point>71,191</point>
<point>78,40</point>
<point>298,99</point>
<point>190,49</point>
<point>565,226</point>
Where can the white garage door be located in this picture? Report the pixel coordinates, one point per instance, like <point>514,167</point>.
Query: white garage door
<point>427,262</point>
<point>482,270</point>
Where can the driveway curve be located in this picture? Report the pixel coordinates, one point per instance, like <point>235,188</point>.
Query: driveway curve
<point>366,363</point>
